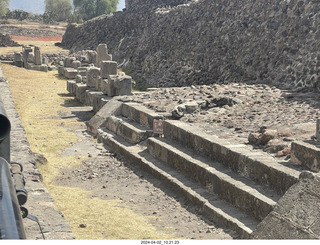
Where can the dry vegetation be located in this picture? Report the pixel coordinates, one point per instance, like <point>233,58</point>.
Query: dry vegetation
<point>45,46</point>
<point>39,97</point>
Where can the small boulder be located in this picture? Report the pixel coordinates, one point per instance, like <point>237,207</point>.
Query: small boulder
<point>254,138</point>
<point>286,151</point>
<point>268,135</point>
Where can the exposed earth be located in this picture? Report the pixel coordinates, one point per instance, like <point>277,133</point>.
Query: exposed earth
<point>109,176</point>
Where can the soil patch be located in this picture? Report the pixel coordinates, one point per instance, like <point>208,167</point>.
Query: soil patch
<point>37,38</point>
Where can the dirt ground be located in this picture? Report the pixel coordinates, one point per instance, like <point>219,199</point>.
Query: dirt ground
<point>108,176</point>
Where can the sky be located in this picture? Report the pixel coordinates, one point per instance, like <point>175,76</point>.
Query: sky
<point>121,5</point>
<point>37,6</point>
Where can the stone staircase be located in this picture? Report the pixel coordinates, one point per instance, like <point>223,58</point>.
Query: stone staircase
<point>232,185</point>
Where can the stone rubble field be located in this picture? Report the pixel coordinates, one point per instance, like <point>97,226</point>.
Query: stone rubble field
<point>237,111</point>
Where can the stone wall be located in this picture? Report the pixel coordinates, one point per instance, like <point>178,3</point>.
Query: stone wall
<point>135,4</point>
<point>206,41</point>
<point>297,214</point>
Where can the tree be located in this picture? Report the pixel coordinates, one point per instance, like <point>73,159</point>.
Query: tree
<point>89,9</point>
<point>58,10</point>
<point>4,5</point>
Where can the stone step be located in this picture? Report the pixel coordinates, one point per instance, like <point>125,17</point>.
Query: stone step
<point>252,198</point>
<point>254,165</point>
<point>127,129</point>
<point>140,114</point>
<point>87,96</point>
<point>207,202</point>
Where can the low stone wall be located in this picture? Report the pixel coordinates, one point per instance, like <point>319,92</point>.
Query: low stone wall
<point>204,42</point>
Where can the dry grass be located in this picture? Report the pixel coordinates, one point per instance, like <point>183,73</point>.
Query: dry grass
<point>35,25</point>
<point>36,96</point>
<point>45,46</point>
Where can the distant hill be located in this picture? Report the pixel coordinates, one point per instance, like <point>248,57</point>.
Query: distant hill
<point>34,6</point>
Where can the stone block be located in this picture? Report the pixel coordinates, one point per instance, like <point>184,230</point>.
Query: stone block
<point>102,54</point>
<point>104,85</point>
<point>34,67</point>
<point>25,54</point>
<point>81,92</point>
<point>68,61</point>
<point>61,70</point>
<point>28,65</point>
<point>123,85</point>
<point>70,73</point>
<point>71,87</point>
<point>52,68</point>
<point>98,84</point>
<point>75,64</point>
<point>37,56</point>
<point>99,101</point>
<point>112,108</point>
<point>110,89</point>
<point>45,60</point>
<point>92,57</point>
<point>18,59</point>
<point>132,133</point>
<point>44,68</point>
<point>90,97</point>
<point>306,154</point>
<point>117,85</point>
<point>93,75</point>
<point>82,71</point>
<point>108,68</point>
<point>78,78</point>
<point>140,114</point>
<point>30,58</point>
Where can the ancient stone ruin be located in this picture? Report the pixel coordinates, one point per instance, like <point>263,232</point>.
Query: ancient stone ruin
<point>31,59</point>
<point>95,71</point>
<point>203,42</point>
<point>237,186</point>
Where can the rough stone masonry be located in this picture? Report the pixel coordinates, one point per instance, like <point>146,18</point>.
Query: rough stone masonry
<point>176,43</point>
<point>96,72</point>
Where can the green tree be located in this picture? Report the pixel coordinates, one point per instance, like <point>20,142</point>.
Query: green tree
<point>89,9</point>
<point>58,10</point>
<point>4,5</point>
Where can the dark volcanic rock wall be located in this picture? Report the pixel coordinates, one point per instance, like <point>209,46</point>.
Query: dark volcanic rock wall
<point>211,41</point>
<point>6,41</point>
<point>134,4</point>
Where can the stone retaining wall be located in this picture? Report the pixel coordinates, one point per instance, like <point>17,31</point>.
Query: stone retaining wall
<point>135,4</point>
<point>205,41</point>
